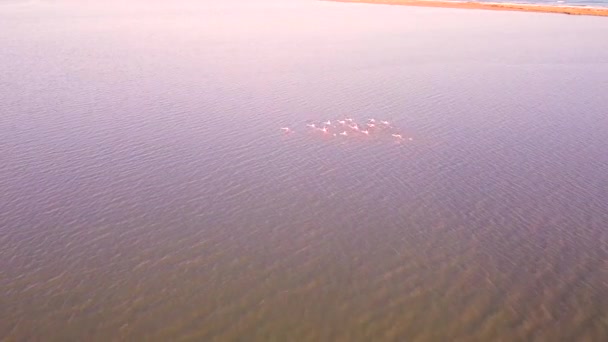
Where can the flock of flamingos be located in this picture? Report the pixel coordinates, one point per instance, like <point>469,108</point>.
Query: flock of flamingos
<point>348,127</point>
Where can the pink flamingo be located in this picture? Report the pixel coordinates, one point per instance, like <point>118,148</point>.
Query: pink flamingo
<point>344,133</point>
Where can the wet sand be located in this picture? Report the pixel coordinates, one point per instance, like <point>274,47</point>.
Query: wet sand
<point>491,6</point>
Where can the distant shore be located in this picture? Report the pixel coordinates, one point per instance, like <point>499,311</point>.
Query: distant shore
<point>572,10</point>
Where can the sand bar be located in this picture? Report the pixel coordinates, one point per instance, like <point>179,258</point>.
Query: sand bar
<point>573,10</point>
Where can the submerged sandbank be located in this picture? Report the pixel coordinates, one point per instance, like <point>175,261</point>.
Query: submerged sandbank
<point>573,10</point>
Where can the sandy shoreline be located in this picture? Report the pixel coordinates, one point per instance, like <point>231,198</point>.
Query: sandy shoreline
<point>573,10</point>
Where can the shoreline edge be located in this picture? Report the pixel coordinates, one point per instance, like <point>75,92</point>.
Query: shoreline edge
<point>571,10</point>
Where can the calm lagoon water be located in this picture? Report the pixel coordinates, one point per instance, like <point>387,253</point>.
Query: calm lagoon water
<point>147,192</point>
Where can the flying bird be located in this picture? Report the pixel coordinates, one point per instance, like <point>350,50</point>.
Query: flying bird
<point>349,126</point>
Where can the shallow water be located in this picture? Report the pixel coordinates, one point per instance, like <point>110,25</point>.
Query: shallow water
<point>147,192</point>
